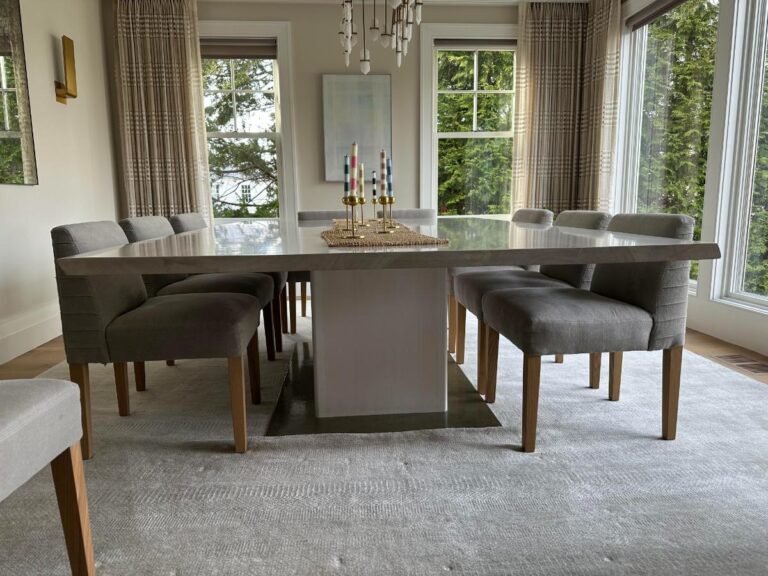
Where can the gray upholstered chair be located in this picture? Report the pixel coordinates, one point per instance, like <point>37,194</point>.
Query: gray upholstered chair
<point>470,287</point>
<point>40,425</point>
<point>108,319</point>
<point>522,216</point>
<point>411,213</point>
<point>634,306</point>
<point>191,222</point>
<point>256,284</point>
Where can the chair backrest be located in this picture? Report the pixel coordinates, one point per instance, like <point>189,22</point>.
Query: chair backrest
<point>533,216</point>
<point>579,275</point>
<point>149,228</point>
<point>146,228</point>
<point>89,303</point>
<point>660,288</point>
<point>306,215</point>
<point>188,222</point>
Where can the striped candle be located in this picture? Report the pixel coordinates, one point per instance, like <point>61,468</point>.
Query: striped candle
<point>383,173</point>
<point>390,191</point>
<point>373,180</point>
<point>346,175</point>
<point>362,180</point>
<point>353,168</point>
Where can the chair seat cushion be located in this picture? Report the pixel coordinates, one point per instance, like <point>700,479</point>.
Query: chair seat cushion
<point>543,321</point>
<point>471,287</point>
<point>185,326</point>
<point>258,285</point>
<point>454,272</point>
<point>39,419</point>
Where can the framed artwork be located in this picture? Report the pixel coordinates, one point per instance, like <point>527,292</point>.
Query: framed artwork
<point>356,108</point>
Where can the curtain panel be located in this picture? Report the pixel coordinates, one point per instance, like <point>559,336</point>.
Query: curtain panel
<point>160,109</point>
<point>567,99</point>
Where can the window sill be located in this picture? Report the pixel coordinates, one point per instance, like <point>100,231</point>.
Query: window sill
<point>743,304</point>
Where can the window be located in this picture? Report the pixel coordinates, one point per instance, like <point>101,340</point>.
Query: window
<point>674,68</point>
<point>11,162</point>
<point>474,96</point>
<point>754,277</point>
<point>241,120</point>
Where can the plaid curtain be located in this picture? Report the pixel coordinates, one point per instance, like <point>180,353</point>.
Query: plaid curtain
<point>160,109</point>
<point>566,108</point>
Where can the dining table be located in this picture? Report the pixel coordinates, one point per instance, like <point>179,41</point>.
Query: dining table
<point>379,312</point>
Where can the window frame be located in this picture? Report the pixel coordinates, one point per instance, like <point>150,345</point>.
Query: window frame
<point>5,121</point>
<point>484,35</point>
<point>287,170</point>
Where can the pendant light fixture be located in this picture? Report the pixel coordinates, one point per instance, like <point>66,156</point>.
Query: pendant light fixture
<point>396,33</point>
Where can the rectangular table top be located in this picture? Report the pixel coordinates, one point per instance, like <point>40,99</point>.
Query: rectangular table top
<point>264,245</point>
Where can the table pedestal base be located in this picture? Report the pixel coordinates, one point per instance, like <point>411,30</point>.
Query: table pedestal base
<point>379,341</point>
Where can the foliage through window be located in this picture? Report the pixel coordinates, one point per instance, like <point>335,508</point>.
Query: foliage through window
<point>677,105</point>
<point>11,162</point>
<point>475,103</point>
<point>756,270</point>
<point>242,136</point>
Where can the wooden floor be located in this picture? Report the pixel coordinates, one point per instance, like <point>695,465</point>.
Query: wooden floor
<point>740,359</point>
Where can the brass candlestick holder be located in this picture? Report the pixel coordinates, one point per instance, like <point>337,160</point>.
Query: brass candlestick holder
<point>345,201</point>
<point>375,220</point>
<point>387,225</point>
<point>361,223</point>
<point>352,201</point>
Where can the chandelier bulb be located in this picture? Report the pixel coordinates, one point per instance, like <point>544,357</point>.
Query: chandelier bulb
<point>399,59</point>
<point>346,58</point>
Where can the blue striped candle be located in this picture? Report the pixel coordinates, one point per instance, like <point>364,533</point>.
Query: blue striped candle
<point>390,192</point>
<point>346,175</point>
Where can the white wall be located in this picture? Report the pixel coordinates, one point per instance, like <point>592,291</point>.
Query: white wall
<point>74,163</point>
<point>316,51</point>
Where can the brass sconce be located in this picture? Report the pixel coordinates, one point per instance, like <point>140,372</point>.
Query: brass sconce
<point>67,89</point>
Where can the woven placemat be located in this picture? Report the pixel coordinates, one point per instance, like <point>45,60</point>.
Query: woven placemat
<point>402,236</point>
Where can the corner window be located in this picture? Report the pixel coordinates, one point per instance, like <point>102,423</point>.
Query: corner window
<point>11,161</point>
<point>673,75</point>
<point>473,127</point>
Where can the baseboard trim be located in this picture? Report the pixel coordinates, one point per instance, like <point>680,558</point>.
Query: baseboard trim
<point>24,332</point>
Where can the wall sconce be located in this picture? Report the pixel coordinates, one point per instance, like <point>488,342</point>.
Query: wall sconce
<point>68,89</point>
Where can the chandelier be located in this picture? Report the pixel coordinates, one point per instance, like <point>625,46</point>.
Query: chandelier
<point>396,33</point>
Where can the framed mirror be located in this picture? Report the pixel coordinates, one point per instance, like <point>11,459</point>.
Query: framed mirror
<point>17,148</point>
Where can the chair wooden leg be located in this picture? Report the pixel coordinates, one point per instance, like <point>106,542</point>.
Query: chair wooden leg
<point>237,400</point>
<point>254,370</point>
<point>269,331</point>
<point>277,322</point>
<point>595,365</point>
<point>123,393</point>
<point>614,375</point>
<point>482,355</point>
<point>451,323</point>
<point>303,299</point>
<point>80,375</point>
<point>140,375</point>
<point>670,396</point>
<point>292,301</point>
<point>69,482</point>
<point>461,331</point>
<point>170,362</point>
<point>284,311</point>
<point>559,358</point>
<point>531,379</point>
<point>492,362</point>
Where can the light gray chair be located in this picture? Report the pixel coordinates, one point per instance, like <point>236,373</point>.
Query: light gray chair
<point>471,287</point>
<point>634,306</point>
<point>256,284</point>
<point>522,216</point>
<point>191,222</point>
<point>40,425</point>
<point>108,319</point>
<point>412,213</point>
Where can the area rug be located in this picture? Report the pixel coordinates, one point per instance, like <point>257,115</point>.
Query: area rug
<point>602,495</point>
